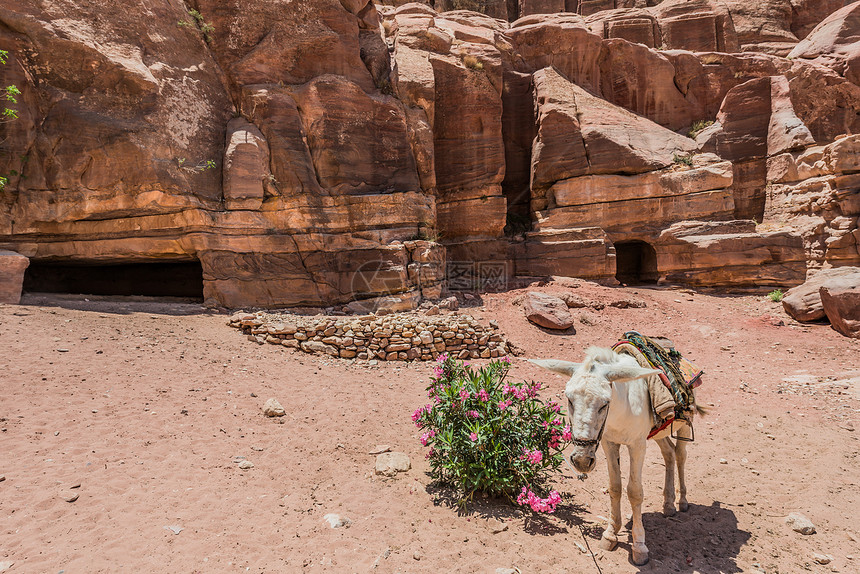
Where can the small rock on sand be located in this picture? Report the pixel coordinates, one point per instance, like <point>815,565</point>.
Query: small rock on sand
<point>822,558</point>
<point>390,463</point>
<point>174,529</point>
<point>800,523</point>
<point>5,565</point>
<point>246,464</point>
<point>379,449</point>
<point>273,408</point>
<point>337,521</point>
<point>70,496</point>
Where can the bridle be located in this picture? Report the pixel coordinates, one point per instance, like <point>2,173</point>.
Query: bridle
<point>582,442</point>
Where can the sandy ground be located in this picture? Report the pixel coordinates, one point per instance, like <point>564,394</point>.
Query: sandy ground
<point>148,406</point>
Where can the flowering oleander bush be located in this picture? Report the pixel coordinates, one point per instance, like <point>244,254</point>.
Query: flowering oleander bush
<point>488,435</point>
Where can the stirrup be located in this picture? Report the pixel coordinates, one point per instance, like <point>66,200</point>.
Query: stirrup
<point>679,437</point>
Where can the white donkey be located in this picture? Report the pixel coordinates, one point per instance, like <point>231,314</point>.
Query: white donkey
<point>609,404</point>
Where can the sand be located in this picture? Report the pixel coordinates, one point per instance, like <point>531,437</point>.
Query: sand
<point>144,409</point>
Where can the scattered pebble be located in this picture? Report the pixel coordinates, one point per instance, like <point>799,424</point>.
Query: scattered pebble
<point>5,565</point>
<point>497,526</point>
<point>822,558</point>
<point>174,529</point>
<point>390,463</point>
<point>246,464</point>
<point>62,350</point>
<point>337,521</point>
<point>71,496</point>
<point>723,461</point>
<point>273,408</point>
<point>800,523</point>
<point>379,449</point>
<point>416,555</point>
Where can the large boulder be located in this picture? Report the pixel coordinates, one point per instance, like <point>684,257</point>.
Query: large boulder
<point>840,299</point>
<point>547,311</point>
<point>803,302</point>
<point>12,267</point>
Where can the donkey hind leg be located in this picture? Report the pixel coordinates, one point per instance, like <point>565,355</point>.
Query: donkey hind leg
<point>681,458</point>
<point>613,463</point>
<point>635,495</point>
<point>667,449</point>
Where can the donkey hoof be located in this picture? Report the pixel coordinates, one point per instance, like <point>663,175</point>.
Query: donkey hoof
<point>684,506</point>
<point>640,557</point>
<point>669,510</point>
<point>607,543</point>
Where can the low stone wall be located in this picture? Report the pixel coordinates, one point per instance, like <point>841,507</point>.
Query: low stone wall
<point>395,337</point>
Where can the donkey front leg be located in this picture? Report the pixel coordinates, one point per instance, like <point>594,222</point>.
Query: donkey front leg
<point>635,495</point>
<point>613,462</point>
<point>667,449</point>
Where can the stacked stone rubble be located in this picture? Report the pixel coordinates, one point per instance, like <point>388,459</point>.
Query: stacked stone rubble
<point>394,337</point>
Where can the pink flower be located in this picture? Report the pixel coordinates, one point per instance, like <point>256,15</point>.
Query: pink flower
<point>533,456</point>
<point>566,434</point>
<point>473,414</point>
<point>438,370</point>
<point>464,395</point>
<point>554,406</point>
<point>505,359</point>
<point>442,358</point>
<point>473,436</point>
<point>538,504</point>
<point>424,438</point>
<point>504,404</point>
<point>482,394</point>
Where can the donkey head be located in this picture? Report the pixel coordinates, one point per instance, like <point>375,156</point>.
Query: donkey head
<point>589,396</point>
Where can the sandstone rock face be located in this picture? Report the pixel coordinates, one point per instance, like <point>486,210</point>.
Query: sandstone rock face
<point>835,42</point>
<point>804,303</point>
<point>730,253</point>
<point>756,119</point>
<point>841,301</point>
<point>547,311</point>
<point>763,26</point>
<point>12,267</point>
<point>814,192</point>
<point>306,153</point>
<point>698,26</point>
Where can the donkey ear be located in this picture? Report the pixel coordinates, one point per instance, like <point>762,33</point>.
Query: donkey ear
<point>624,373</point>
<point>561,367</point>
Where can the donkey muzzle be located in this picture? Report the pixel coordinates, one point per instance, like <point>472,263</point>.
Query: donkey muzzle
<point>583,463</point>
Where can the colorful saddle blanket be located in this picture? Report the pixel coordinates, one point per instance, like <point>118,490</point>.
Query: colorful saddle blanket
<point>679,375</point>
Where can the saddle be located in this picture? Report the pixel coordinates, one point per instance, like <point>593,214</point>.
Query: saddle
<point>672,391</point>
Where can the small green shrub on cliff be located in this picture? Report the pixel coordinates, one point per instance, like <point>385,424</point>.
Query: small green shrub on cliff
<point>486,435</point>
<point>198,22</point>
<point>472,62</point>
<point>683,159</point>
<point>776,295</point>
<point>698,126</point>
<point>10,94</point>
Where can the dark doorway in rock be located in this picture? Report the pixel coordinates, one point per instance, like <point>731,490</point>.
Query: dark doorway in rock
<point>635,263</point>
<point>153,279</point>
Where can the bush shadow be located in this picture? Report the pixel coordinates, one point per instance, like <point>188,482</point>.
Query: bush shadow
<point>567,518</point>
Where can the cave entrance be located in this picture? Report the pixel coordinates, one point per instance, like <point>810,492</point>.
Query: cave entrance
<point>152,279</point>
<point>635,263</point>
